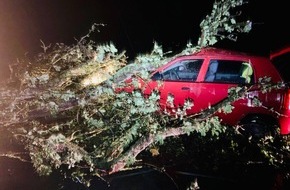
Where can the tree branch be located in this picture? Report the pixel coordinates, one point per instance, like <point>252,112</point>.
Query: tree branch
<point>141,145</point>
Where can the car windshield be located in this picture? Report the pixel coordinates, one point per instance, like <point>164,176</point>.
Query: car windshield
<point>185,70</point>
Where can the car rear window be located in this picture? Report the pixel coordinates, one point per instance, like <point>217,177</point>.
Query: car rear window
<point>229,71</point>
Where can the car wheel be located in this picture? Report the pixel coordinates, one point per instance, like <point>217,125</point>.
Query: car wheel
<point>257,128</point>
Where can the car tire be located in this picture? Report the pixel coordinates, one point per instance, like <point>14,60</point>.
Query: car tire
<point>258,127</point>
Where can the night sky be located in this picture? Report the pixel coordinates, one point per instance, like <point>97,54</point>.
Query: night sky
<point>132,25</point>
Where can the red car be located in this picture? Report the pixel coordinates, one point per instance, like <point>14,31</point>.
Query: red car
<point>205,77</point>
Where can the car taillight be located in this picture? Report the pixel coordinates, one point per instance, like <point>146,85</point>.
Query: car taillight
<point>286,102</point>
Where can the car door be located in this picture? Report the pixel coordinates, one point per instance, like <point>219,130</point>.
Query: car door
<point>174,82</point>
<point>213,87</point>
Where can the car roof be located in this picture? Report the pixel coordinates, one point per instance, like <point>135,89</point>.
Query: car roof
<point>213,51</point>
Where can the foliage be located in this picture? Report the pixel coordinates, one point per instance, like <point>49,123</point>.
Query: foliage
<point>64,109</point>
<point>221,24</point>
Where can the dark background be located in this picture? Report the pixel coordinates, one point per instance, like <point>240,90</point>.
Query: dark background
<point>131,25</point>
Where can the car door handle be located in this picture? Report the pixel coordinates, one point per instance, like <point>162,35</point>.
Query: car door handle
<point>185,88</point>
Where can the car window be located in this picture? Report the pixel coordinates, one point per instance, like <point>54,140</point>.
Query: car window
<point>185,70</point>
<point>229,71</point>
